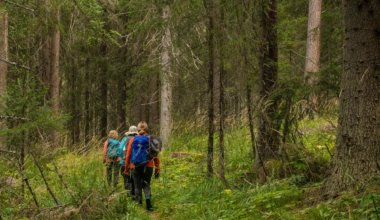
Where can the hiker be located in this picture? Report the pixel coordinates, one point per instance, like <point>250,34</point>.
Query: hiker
<point>141,164</point>
<point>111,157</point>
<point>128,181</point>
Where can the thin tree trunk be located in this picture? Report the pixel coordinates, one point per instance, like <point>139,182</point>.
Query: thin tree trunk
<point>166,84</point>
<point>357,153</point>
<point>3,49</point>
<point>153,106</point>
<point>250,119</point>
<point>313,46</point>
<point>54,61</point>
<point>87,112</point>
<point>122,97</point>
<point>209,5</point>
<point>3,64</point>
<point>221,100</point>
<point>103,113</point>
<point>268,138</point>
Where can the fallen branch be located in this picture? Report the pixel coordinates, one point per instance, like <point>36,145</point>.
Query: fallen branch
<point>20,6</point>
<point>62,180</point>
<point>13,117</point>
<point>328,151</point>
<point>84,201</point>
<point>26,180</point>
<point>16,64</point>
<point>7,151</point>
<point>45,181</point>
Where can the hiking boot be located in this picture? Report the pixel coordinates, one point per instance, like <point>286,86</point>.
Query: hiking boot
<point>149,205</point>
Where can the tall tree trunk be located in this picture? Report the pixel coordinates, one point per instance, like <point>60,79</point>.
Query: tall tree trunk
<point>103,113</point>
<point>50,58</point>
<point>153,103</point>
<point>166,75</point>
<point>3,49</point>
<point>313,46</point>
<point>3,58</point>
<point>87,112</point>
<point>74,102</point>
<point>357,153</point>
<point>122,97</point>
<point>221,101</point>
<point>209,5</point>
<point>268,138</point>
<point>54,61</point>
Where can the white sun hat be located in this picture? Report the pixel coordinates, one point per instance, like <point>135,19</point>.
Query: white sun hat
<point>132,130</point>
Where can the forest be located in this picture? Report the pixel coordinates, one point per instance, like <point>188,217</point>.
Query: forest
<point>266,109</point>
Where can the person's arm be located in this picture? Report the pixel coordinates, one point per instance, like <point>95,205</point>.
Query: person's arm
<point>105,145</point>
<point>128,156</point>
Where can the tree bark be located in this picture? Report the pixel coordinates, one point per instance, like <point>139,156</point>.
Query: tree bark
<point>54,61</point>
<point>87,111</point>
<point>313,46</point>
<point>357,153</point>
<point>3,64</point>
<point>122,97</point>
<point>268,138</point>
<point>166,84</point>
<point>209,5</point>
<point>3,49</point>
<point>74,103</point>
<point>221,100</point>
<point>50,58</point>
<point>154,117</point>
<point>103,113</point>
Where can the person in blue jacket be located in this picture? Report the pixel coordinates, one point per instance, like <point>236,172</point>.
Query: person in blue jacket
<point>128,181</point>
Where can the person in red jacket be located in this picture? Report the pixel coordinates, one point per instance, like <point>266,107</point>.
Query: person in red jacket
<point>141,172</point>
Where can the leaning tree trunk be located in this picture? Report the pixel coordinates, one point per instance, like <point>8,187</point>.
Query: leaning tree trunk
<point>268,138</point>
<point>357,156</point>
<point>3,50</point>
<point>166,85</point>
<point>313,46</point>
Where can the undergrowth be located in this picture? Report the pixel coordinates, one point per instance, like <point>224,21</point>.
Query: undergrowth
<point>184,192</point>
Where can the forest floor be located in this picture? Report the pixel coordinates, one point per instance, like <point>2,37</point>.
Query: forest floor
<point>184,192</point>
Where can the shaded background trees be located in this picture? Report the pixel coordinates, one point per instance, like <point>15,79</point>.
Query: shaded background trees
<point>80,68</point>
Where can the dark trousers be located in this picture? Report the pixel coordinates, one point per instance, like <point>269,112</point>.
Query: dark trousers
<point>129,185</point>
<point>141,177</point>
<point>113,167</point>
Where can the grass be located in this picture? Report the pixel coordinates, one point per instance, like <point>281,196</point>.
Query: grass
<point>184,192</point>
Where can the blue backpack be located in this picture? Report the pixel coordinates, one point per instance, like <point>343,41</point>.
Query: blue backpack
<point>112,147</point>
<point>140,150</point>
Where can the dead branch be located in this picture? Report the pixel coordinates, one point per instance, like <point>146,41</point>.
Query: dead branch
<point>13,117</point>
<point>16,64</point>
<point>20,6</point>
<point>84,201</point>
<point>45,181</point>
<point>62,180</point>
<point>7,151</point>
<point>328,151</point>
<point>26,180</point>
